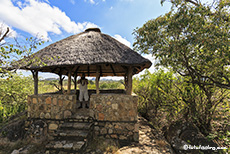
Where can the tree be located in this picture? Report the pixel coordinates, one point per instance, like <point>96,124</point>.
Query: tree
<point>14,88</point>
<point>193,40</point>
<point>12,50</point>
<point>13,95</point>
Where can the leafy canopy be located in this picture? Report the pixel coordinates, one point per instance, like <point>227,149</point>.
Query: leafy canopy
<point>193,39</point>
<point>12,49</point>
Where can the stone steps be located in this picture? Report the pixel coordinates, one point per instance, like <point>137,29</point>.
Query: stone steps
<point>76,126</point>
<point>66,146</point>
<point>72,136</point>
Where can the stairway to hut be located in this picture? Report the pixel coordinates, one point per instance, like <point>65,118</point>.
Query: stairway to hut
<point>73,136</point>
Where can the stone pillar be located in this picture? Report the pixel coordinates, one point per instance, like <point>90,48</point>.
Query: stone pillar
<point>115,116</point>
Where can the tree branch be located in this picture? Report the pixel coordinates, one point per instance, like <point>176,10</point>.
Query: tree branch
<point>3,37</point>
<point>190,1</point>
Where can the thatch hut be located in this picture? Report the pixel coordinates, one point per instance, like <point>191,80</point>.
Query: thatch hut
<point>90,52</point>
<point>110,115</point>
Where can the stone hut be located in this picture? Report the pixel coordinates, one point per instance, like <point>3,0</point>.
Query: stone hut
<point>112,113</point>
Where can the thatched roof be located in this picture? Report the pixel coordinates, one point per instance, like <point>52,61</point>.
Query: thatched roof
<point>85,51</point>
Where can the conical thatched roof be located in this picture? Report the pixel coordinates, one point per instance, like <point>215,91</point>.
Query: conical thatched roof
<point>85,52</point>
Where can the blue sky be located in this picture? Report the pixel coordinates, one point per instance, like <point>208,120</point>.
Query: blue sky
<point>57,19</point>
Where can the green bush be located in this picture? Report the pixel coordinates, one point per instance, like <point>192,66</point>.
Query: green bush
<point>165,97</point>
<point>13,95</point>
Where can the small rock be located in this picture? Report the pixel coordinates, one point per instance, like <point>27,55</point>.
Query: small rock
<point>15,152</point>
<point>98,151</point>
<point>58,145</point>
<point>53,126</point>
<point>96,128</point>
<point>110,131</point>
<point>47,152</point>
<point>115,106</point>
<point>67,114</point>
<point>68,146</point>
<point>47,116</point>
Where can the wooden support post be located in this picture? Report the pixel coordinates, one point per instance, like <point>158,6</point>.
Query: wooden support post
<point>97,79</point>
<point>35,76</point>
<point>100,70</point>
<point>88,71</point>
<point>75,77</point>
<point>125,81</point>
<point>69,82</point>
<point>61,81</point>
<point>75,81</point>
<point>129,82</point>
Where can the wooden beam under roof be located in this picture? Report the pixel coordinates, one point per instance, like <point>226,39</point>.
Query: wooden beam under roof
<point>113,70</point>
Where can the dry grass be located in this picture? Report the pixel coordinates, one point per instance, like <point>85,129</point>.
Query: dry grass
<point>161,143</point>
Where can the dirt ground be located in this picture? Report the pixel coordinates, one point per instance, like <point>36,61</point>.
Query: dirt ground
<point>150,142</point>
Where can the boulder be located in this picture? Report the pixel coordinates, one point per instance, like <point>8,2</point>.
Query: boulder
<point>185,138</point>
<point>14,131</point>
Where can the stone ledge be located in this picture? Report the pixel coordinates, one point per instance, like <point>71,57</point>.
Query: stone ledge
<point>46,106</point>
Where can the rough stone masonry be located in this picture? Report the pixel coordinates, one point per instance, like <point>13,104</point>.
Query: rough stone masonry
<point>114,115</point>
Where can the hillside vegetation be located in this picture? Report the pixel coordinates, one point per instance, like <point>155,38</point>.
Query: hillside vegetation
<point>164,98</point>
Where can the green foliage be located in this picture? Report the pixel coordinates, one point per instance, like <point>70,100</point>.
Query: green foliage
<point>155,91</point>
<point>13,51</point>
<point>13,95</point>
<point>46,86</point>
<point>193,40</point>
<point>111,85</point>
<point>165,98</point>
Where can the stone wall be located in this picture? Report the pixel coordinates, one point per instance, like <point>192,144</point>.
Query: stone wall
<point>115,116</point>
<point>50,106</point>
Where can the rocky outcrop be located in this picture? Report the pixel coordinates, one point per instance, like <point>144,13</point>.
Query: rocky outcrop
<point>15,128</point>
<point>185,138</point>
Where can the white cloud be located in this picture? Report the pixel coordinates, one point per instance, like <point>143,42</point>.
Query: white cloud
<point>72,1</point>
<point>92,1</point>
<point>38,18</point>
<point>122,40</point>
<point>127,0</point>
<point>3,28</point>
<point>152,69</point>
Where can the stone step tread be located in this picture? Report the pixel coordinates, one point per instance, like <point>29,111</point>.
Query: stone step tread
<point>65,145</point>
<point>77,125</point>
<point>72,133</point>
